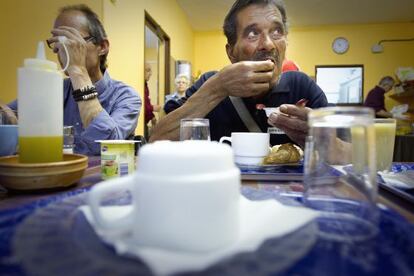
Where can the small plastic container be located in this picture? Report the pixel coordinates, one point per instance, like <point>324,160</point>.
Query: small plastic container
<point>117,158</point>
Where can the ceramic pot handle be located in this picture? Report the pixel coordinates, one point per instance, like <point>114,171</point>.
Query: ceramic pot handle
<point>225,138</point>
<point>99,191</point>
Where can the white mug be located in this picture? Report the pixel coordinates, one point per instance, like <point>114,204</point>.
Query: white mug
<point>249,148</point>
<point>185,197</point>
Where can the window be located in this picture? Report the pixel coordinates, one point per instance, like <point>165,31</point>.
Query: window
<point>342,84</point>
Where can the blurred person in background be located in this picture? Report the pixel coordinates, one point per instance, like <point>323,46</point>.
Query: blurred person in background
<point>289,65</point>
<point>181,83</point>
<point>375,98</point>
<point>149,115</point>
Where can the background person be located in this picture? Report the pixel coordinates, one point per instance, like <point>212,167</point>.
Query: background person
<point>375,98</point>
<point>289,65</point>
<point>149,115</point>
<point>112,110</point>
<point>181,83</point>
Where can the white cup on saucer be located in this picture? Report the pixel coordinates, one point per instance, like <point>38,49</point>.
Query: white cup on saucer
<point>185,197</point>
<point>249,148</point>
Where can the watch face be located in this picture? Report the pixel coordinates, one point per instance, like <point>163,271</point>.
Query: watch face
<point>340,45</point>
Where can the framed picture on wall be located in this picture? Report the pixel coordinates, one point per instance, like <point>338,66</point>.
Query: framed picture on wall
<point>342,84</point>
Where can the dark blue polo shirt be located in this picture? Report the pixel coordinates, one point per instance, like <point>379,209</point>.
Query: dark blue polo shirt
<point>375,99</point>
<point>224,119</point>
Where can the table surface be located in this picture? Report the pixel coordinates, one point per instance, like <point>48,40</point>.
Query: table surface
<point>10,200</point>
<point>24,232</point>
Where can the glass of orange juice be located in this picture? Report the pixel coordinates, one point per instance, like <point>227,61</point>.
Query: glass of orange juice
<point>384,141</point>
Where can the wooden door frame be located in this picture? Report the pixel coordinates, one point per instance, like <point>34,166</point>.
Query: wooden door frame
<point>156,28</point>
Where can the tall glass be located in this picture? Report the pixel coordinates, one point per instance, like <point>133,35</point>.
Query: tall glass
<point>385,139</point>
<point>340,171</point>
<point>194,129</point>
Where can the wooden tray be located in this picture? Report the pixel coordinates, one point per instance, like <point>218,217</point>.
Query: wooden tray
<point>35,176</point>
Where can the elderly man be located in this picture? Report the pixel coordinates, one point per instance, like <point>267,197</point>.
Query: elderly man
<point>256,33</point>
<point>98,107</point>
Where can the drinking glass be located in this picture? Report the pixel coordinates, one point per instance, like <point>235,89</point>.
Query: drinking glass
<point>68,139</point>
<point>340,171</point>
<point>384,139</point>
<point>194,129</point>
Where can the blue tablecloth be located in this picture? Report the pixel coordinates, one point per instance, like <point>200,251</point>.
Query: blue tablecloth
<point>51,237</point>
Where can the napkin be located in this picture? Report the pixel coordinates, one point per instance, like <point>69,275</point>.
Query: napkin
<point>270,110</point>
<point>259,220</point>
<point>404,179</point>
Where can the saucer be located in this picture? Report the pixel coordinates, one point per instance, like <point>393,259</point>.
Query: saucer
<point>272,168</point>
<point>35,176</point>
<point>259,221</point>
<point>274,172</point>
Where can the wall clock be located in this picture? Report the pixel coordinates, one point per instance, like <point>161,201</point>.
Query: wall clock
<point>340,45</point>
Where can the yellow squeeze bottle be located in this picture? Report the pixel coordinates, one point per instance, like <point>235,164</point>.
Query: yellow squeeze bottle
<point>40,104</point>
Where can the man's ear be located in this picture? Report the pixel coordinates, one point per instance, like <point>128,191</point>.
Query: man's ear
<point>103,47</point>
<point>229,51</point>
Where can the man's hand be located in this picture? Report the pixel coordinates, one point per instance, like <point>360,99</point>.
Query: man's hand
<point>76,46</point>
<point>292,120</point>
<point>384,114</point>
<point>77,71</point>
<point>245,79</point>
<point>153,121</point>
<point>241,79</point>
<point>156,107</point>
<point>8,116</point>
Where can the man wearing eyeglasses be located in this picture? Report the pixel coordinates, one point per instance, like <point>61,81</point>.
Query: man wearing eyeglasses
<point>98,107</point>
<point>256,32</point>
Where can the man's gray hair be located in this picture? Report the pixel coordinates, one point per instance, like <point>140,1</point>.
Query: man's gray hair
<point>181,76</point>
<point>386,80</point>
<point>95,28</point>
<point>230,22</point>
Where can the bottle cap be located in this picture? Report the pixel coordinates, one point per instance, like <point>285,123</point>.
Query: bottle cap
<point>40,62</point>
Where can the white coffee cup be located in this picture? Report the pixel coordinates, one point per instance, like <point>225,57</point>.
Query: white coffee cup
<point>185,197</point>
<point>249,148</point>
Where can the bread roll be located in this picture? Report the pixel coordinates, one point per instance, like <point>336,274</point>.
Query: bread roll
<point>283,154</point>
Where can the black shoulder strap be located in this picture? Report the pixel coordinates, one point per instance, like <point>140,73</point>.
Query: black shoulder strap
<point>244,114</point>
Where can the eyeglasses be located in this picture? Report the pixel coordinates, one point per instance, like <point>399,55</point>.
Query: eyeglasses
<point>86,38</point>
